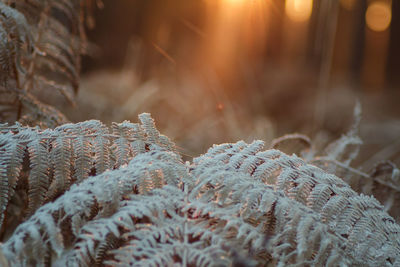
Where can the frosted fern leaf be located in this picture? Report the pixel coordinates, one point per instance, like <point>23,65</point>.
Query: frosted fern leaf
<point>66,155</point>
<point>236,203</point>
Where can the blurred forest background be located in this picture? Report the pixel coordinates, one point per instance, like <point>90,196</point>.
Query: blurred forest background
<point>213,71</point>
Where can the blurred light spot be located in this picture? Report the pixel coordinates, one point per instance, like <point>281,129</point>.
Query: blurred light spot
<point>298,10</point>
<point>378,16</point>
<point>220,106</point>
<point>348,4</point>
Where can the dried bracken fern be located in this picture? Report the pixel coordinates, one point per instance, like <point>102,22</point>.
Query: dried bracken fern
<point>381,181</point>
<point>68,154</point>
<point>90,203</point>
<point>40,47</point>
<point>180,222</point>
<point>368,231</point>
<point>144,207</point>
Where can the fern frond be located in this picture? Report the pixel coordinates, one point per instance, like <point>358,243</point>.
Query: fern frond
<point>107,190</point>
<point>149,127</point>
<point>39,114</point>
<point>11,155</point>
<point>262,219</point>
<point>101,147</point>
<point>346,148</point>
<point>153,135</point>
<point>82,149</point>
<point>236,203</point>
<point>18,33</point>
<point>385,184</point>
<point>40,48</point>
<point>61,156</point>
<point>121,147</point>
<point>323,192</point>
<point>69,154</point>
<point>39,176</point>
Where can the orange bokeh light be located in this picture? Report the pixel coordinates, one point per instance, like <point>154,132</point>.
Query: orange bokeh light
<point>298,10</point>
<point>378,16</point>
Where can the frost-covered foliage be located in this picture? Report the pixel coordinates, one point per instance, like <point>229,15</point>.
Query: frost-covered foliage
<point>42,164</point>
<point>236,205</point>
<point>381,179</point>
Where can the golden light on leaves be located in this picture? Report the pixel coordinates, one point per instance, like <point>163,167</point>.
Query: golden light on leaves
<point>298,10</point>
<point>378,16</point>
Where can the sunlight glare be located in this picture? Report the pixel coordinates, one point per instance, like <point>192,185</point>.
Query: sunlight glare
<point>233,3</point>
<point>298,10</point>
<point>378,16</point>
<point>235,29</point>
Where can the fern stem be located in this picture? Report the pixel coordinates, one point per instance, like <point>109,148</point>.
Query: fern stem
<point>358,172</point>
<point>185,241</point>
